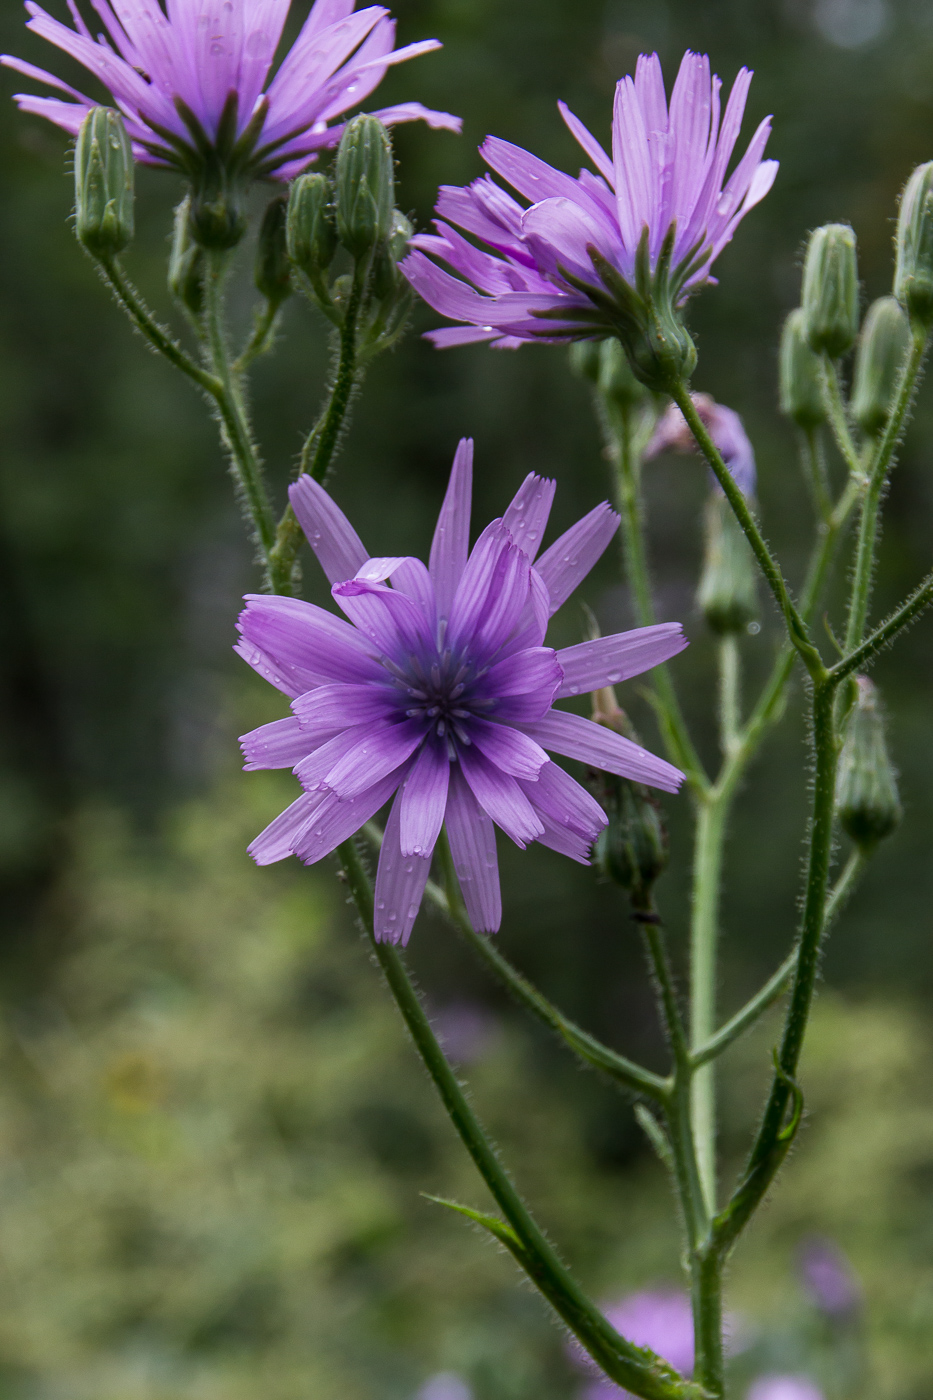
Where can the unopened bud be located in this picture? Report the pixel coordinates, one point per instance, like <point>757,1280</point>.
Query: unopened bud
<point>727,589</point>
<point>830,290</point>
<point>881,349</point>
<point>801,399</point>
<point>104,183</point>
<point>272,265</point>
<point>311,230</point>
<point>386,278</point>
<point>913,270</point>
<point>867,801</point>
<point>186,262</point>
<point>617,383</point>
<point>632,850</point>
<point>365,183</point>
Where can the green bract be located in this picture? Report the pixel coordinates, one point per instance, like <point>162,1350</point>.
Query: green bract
<point>801,399</point>
<point>830,290</point>
<point>913,272</point>
<point>272,266</point>
<point>867,801</point>
<point>878,360</point>
<point>365,185</point>
<point>311,231</point>
<point>104,184</point>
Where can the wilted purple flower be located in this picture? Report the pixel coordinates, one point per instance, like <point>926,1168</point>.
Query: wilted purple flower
<point>725,428</point>
<point>828,1278</point>
<point>784,1388</point>
<point>659,1319</point>
<point>570,265</point>
<point>440,689</point>
<point>193,83</point>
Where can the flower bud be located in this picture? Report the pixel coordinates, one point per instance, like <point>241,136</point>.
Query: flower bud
<point>386,278</point>
<point>365,183</point>
<point>867,802</point>
<point>186,262</point>
<point>616,381</point>
<point>104,183</point>
<point>311,233</point>
<point>584,359</point>
<point>801,399</point>
<point>913,270</point>
<point>632,850</point>
<point>273,270</point>
<point>727,591</point>
<point>830,290</point>
<point>881,349</point>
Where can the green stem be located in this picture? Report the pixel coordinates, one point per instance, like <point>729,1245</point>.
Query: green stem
<point>144,321</point>
<point>633,1367</point>
<point>921,598</point>
<point>704,937</point>
<point>618,430</point>
<point>344,383</point>
<point>234,422</point>
<point>836,413</point>
<point>814,463</point>
<point>730,720</point>
<point>261,337</point>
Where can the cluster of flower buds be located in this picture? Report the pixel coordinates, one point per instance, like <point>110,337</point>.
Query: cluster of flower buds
<point>104,184</point>
<point>632,850</point>
<point>867,802</point>
<point>356,211</point>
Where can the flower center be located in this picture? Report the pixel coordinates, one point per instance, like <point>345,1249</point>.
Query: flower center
<point>443,692</point>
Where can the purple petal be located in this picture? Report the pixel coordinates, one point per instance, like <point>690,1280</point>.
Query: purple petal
<point>472,840</point>
<point>277,841</point>
<point>424,800</point>
<point>332,708</point>
<point>400,882</point>
<point>381,749</point>
<point>560,233</point>
<point>589,143</point>
<point>535,670</point>
<point>607,660</point>
<point>396,625</point>
<point>450,336</point>
<point>559,799</point>
<point>280,744</point>
<point>335,820</point>
<point>500,797</point>
<point>594,744</point>
<point>296,645</point>
<point>525,172</point>
<point>450,546</point>
<point>491,596</point>
<point>526,516</point>
<point>339,549</point>
<point>507,748</point>
<point>569,559</point>
<point>416,112</point>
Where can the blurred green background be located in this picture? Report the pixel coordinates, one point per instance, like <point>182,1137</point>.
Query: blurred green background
<point>213,1134</point>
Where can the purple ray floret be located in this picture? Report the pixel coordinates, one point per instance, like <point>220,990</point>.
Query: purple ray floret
<point>180,75</point>
<point>666,175</point>
<point>439,690</point>
<point>724,426</point>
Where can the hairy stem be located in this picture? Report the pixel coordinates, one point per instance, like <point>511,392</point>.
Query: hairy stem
<point>704,938</point>
<point>158,337</point>
<point>835,409</point>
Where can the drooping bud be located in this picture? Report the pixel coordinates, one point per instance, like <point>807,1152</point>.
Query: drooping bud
<point>830,290</point>
<point>617,383</point>
<point>913,270</point>
<point>186,262</point>
<point>632,850</point>
<point>365,184</point>
<point>584,359</point>
<point>801,399</point>
<point>867,801</point>
<point>273,270</point>
<point>881,349</point>
<point>311,230</point>
<point>727,591</point>
<point>104,184</point>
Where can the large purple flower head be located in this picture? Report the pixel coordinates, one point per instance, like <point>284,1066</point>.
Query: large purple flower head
<point>195,86</point>
<point>612,253</point>
<point>438,690</point>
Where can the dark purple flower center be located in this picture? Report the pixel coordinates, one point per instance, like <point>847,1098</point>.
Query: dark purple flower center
<point>445,693</point>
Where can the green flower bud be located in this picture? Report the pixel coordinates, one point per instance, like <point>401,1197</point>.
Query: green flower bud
<point>365,183</point>
<point>727,591</point>
<point>632,850</point>
<point>104,183</point>
<point>386,279</point>
<point>616,381</point>
<point>830,290</point>
<point>585,360</point>
<point>311,231</point>
<point>218,219</point>
<point>881,349</point>
<point>867,801</point>
<point>186,262</point>
<point>801,399</point>
<point>913,270</point>
<point>273,270</point>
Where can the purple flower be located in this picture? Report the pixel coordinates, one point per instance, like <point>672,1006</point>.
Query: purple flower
<point>440,689</point>
<point>193,83</point>
<point>659,1319</point>
<point>568,266</point>
<point>784,1388</point>
<point>725,428</point>
<point>828,1278</point>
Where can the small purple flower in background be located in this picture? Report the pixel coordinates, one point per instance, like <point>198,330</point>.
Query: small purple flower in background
<point>660,201</point>
<point>829,1279</point>
<point>661,1320</point>
<point>195,79</point>
<point>784,1388</point>
<point>446,1385</point>
<point>440,689</point>
<point>725,428</point>
<point>465,1029</point>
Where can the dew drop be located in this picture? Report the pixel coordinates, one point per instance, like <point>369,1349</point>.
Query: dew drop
<point>615,676</point>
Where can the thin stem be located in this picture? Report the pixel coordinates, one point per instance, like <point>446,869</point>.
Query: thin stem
<point>730,719</point>
<point>834,406</point>
<point>814,464</point>
<point>260,338</point>
<point>234,422</point>
<point>623,1362</point>
<point>619,432</point>
<point>921,598</point>
<point>796,629</point>
<point>704,938</point>
<point>344,382</point>
<point>144,321</point>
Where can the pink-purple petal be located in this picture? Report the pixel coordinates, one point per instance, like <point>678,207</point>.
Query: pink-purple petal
<point>451,544</point>
<point>500,797</point>
<point>526,515</point>
<point>508,749</point>
<point>339,549</point>
<point>594,744</point>
<point>608,660</point>
<point>281,744</point>
<point>568,561</point>
<point>424,800</point>
<point>472,840</point>
<point>400,881</point>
